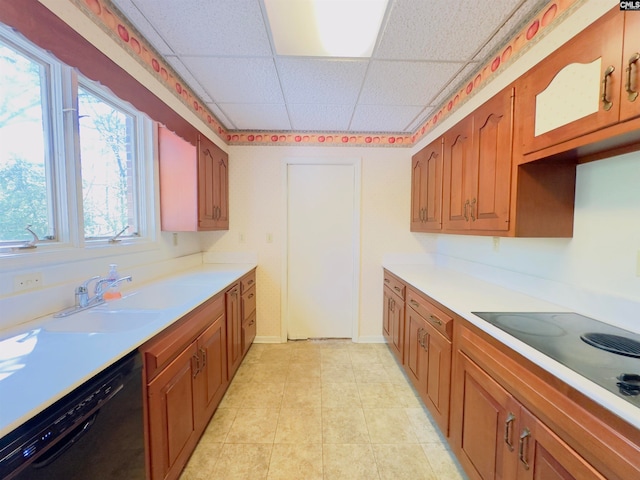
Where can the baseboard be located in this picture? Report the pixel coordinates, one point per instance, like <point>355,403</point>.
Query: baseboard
<point>272,339</point>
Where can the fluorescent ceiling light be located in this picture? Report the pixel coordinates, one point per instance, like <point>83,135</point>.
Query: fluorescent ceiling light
<point>325,28</point>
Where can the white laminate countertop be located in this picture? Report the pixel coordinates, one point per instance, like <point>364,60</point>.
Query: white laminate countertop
<point>43,360</point>
<point>463,294</point>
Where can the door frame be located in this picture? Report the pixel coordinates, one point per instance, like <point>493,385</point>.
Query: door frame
<point>356,163</point>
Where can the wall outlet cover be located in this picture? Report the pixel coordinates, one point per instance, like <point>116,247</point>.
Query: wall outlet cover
<point>28,281</point>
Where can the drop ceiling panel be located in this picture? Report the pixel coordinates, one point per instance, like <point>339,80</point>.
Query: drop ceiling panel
<point>405,83</point>
<point>189,79</point>
<point>237,80</point>
<point>205,27</point>
<point>221,116</point>
<point>257,117</point>
<point>384,118</point>
<point>130,10</point>
<point>306,80</point>
<point>441,29</point>
<point>309,117</point>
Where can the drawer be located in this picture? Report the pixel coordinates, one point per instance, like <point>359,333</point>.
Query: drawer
<point>248,300</point>
<point>248,281</point>
<point>394,284</point>
<point>432,314</point>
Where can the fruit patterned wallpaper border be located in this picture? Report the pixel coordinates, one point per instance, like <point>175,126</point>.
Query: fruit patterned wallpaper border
<point>106,16</point>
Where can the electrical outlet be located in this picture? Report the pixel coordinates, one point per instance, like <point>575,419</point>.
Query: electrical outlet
<point>28,281</point>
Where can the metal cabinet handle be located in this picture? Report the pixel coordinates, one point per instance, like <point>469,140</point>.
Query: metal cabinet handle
<point>421,337</point>
<point>435,320</point>
<point>466,215</point>
<point>397,289</point>
<point>195,365</point>
<point>606,103</point>
<point>631,94</point>
<point>386,280</point>
<point>473,208</point>
<point>250,282</point>
<point>414,303</point>
<point>251,296</point>
<point>203,354</point>
<point>524,438</point>
<point>507,430</point>
<point>252,322</point>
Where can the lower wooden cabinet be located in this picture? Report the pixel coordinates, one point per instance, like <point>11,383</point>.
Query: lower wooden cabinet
<point>187,369</point>
<point>393,315</point>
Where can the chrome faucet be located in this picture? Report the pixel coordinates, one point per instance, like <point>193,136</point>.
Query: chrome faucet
<point>84,301</point>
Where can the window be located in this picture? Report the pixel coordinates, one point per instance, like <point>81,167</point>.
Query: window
<point>26,196</point>
<point>52,121</point>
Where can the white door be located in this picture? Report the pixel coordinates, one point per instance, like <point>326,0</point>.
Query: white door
<point>322,250</point>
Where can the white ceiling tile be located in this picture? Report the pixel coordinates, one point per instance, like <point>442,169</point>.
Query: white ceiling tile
<point>440,29</point>
<point>205,27</point>
<point>257,117</point>
<point>511,27</point>
<point>190,80</point>
<point>220,115</point>
<point>405,83</point>
<point>383,118</point>
<point>310,117</point>
<point>141,23</point>
<point>460,80</point>
<point>306,80</point>
<point>237,80</point>
<point>421,118</point>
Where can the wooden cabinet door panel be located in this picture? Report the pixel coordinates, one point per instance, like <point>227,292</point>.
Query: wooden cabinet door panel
<point>544,456</point>
<point>386,314</point>
<point>212,377</point>
<point>548,88</point>
<point>426,188</point>
<point>630,95</point>
<point>248,332</point>
<point>438,376</point>
<point>172,418</point>
<point>490,179</point>
<point>234,330</point>
<point>213,181</point>
<point>415,361</point>
<point>487,428</point>
<point>396,316</point>
<point>457,163</point>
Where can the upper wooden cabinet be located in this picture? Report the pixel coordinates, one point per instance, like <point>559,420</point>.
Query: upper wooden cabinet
<point>579,95</point>
<point>194,184</point>
<point>477,168</point>
<point>213,184</point>
<point>426,188</point>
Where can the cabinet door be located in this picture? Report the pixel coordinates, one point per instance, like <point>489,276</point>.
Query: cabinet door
<point>172,417</point>
<point>544,456</point>
<point>426,188</point>
<point>248,332</point>
<point>630,97</point>
<point>396,321</point>
<point>575,90</point>
<point>386,314</point>
<point>234,330</point>
<point>213,181</point>
<point>485,430</point>
<point>211,380</point>
<point>438,375</point>
<point>457,164</point>
<point>415,353</point>
<point>490,177</point>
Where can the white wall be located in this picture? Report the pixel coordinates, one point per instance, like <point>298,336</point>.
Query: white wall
<point>257,209</point>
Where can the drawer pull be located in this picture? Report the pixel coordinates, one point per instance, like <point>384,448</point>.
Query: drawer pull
<point>606,103</point>
<point>386,280</point>
<point>466,214</point>
<point>435,320</point>
<point>251,296</point>
<point>250,282</point>
<point>631,94</point>
<point>252,322</point>
<point>414,303</point>
<point>508,430</point>
<point>397,289</point>
<point>524,438</point>
<point>203,354</point>
<point>472,209</point>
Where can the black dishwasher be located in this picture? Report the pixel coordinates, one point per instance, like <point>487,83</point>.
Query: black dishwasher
<point>94,432</point>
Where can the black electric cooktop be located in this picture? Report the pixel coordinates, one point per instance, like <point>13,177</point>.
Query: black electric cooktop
<point>606,355</point>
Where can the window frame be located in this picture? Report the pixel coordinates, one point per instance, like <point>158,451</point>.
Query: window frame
<point>63,165</point>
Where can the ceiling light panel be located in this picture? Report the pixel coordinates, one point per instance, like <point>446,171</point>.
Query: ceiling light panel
<point>325,28</point>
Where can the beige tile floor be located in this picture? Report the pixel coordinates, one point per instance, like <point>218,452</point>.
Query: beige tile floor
<point>321,410</point>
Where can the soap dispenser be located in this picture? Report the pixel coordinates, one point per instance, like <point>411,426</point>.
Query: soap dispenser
<point>113,292</point>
